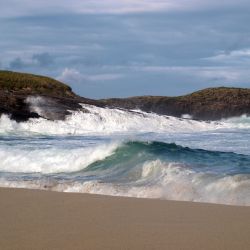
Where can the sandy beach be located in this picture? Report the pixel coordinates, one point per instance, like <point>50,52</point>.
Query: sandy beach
<point>33,219</point>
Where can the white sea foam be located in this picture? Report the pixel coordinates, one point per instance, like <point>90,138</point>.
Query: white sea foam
<point>242,122</point>
<point>109,121</point>
<point>173,182</point>
<point>36,104</point>
<point>158,180</point>
<point>51,160</point>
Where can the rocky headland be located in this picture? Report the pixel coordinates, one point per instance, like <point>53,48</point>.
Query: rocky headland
<point>24,96</point>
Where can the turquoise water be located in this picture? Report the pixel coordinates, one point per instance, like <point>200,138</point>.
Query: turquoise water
<point>115,152</point>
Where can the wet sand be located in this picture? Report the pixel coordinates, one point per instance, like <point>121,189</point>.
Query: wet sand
<point>47,220</point>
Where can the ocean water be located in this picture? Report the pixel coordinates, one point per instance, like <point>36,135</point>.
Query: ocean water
<point>129,153</point>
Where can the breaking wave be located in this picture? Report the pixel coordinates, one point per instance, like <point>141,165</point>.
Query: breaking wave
<point>51,160</point>
<point>109,121</point>
<point>135,169</point>
<point>124,153</point>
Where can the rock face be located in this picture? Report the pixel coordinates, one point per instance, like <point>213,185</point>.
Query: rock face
<point>24,96</point>
<point>207,104</point>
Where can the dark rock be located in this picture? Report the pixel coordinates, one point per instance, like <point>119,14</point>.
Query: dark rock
<point>207,104</point>
<point>25,96</point>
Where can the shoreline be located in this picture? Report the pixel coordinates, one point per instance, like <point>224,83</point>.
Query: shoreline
<point>35,219</point>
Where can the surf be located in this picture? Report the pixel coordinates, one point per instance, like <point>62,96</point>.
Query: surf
<point>139,169</point>
<point>105,121</point>
<point>129,153</point>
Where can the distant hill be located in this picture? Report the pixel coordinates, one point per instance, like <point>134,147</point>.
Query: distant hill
<point>207,104</point>
<point>56,99</point>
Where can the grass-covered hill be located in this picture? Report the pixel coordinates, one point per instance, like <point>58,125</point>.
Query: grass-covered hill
<point>15,88</point>
<point>207,104</point>
<point>29,83</point>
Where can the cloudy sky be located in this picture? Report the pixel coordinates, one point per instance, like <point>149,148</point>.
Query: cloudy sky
<point>119,48</point>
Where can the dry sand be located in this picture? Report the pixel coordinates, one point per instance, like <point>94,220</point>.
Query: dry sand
<point>47,220</point>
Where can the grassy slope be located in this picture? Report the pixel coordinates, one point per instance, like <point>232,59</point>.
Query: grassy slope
<point>13,81</point>
<point>208,104</point>
<point>22,82</point>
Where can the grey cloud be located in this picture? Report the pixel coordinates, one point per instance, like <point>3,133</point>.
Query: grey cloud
<point>43,59</point>
<point>25,7</point>
<point>223,74</point>
<point>17,63</point>
<point>204,46</point>
<point>36,60</point>
<point>232,57</point>
<point>75,77</point>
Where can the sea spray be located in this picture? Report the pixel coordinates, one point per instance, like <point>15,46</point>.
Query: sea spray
<point>129,153</point>
<point>134,169</point>
<point>109,121</point>
<point>51,160</point>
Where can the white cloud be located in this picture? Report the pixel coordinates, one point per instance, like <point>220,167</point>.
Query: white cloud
<point>233,56</point>
<point>227,75</point>
<point>104,77</point>
<point>71,75</point>
<point>74,76</point>
<point>31,7</point>
<point>218,74</point>
<point>221,75</point>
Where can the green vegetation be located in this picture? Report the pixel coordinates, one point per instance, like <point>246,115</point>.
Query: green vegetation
<point>230,95</point>
<point>204,95</point>
<point>22,82</point>
<point>207,104</point>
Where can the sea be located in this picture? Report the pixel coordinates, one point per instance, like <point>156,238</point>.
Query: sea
<point>129,153</point>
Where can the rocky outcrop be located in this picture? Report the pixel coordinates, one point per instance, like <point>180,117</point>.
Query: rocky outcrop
<point>24,96</point>
<point>207,104</point>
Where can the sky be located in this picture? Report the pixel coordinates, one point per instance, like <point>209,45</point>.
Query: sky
<point>120,48</point>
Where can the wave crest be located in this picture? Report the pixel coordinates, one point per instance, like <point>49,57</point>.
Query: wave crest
<point>106,121</point>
